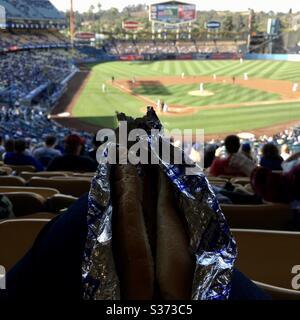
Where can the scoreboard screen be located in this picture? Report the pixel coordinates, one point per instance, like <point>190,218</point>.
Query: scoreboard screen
<point>173,12</point>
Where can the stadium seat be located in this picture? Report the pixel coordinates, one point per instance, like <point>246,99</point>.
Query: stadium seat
<point>25,203</point>
<point>12,181</point>
<point>248,188</point>
<point>240,180</point>
<point>16,238</point>
<point>44,192</point>
<point>227,178</point>
<point>72,177</point>
<point>40,215</point>
<point>73,187</point>
<point>278,293</point>
<point>19,169</point>
<point>5,171</point>
<point>59,202</point>
<point>83,175</point>
<point>217,181</point>
<point>263,216</point>
<point>28,175</point>
<point>268,257</point>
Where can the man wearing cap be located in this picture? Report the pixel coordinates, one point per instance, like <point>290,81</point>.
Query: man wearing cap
<point>72,160</point>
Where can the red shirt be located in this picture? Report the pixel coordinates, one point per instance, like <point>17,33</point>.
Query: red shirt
<point>220,167</point>
<point>277,187</point>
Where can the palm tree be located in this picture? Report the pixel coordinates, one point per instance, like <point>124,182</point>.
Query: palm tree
<point>91,13</point>
<point>99,6</point>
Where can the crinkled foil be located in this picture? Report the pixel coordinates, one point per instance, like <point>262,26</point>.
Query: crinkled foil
<point>100,278</point>
<point>210,238</point>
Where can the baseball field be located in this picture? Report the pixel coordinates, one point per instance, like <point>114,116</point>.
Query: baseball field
<point>265,103</point>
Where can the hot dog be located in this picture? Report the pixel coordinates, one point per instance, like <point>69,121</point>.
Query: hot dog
<point>132,250</point>
<point>174,261</point>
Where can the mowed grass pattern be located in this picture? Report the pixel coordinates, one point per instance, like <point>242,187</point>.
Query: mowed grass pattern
<point>223,94</point>
<point>98,107</point>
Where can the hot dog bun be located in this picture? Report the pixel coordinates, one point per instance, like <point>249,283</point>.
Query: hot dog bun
<point>174,261</point>
<point>131,246</point>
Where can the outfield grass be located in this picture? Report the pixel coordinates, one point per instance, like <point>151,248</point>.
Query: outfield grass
<point>99,108</point>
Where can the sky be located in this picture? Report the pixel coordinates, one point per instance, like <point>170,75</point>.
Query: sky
<point>232,5</point>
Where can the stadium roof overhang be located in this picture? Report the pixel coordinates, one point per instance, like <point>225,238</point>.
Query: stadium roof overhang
<point>13,14</point>
<point>35,24</point>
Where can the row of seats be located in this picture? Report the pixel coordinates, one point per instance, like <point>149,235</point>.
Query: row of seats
<point>234,180</point>
<point>75,185</point>
<point>267,216</point>
<point>34,192</point>
<point>32,201</point>
<point>19,38</point>
<point>267,257</point>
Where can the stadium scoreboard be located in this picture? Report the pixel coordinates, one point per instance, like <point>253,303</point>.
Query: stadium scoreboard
<point>172,12</point>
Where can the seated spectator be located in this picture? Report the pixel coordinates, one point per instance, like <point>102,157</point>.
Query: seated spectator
<point>272,186</point>
<point>220,166</point>
<point>28,146</point>
<point>9,146</point>
<point>2,149</point>
<point>93,152</point>
<point>19,158</point>
<point>285,152</point>
<point>209,155</point>
<point>6,208</point>
<point>246,150</point>
<point>72,160</point>
<point>48,152</point>
<point>271,158</point>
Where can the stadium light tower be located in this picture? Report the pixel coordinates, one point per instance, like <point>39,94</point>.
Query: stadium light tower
<point>72,23</point>
<point>250,26</point>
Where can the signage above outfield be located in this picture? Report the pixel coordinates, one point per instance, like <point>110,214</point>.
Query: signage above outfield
<point>173,12</point>
<point>213,25</point>
<point>132,25</point>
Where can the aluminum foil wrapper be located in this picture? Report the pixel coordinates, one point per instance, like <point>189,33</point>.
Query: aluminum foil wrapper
<point>210,239</point>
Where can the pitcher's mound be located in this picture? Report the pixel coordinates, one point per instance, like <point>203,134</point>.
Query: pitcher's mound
<point>199,93</point>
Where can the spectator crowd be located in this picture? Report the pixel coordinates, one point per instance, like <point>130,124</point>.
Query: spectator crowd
<point>25,71</point>
<point>132,47</point>
<point>29,137</point>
